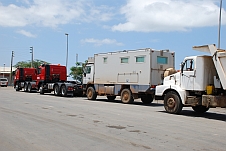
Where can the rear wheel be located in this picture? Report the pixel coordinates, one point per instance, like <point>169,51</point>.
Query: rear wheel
<point>41,90</point>
<point>200,109</point>
<point>91,94</point>
<point>25,87</point>
<point>172,103</point>
<point>147,99</point>
<point>56,90</point>
<point>17,86</point>
<point>126,96</point>
<point>111,98</point>
<point>63,90</point>
<point>29,89</point>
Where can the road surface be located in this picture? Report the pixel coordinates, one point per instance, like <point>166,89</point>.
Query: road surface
<point>34,122</point>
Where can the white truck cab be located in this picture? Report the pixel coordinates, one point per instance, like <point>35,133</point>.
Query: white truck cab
<point>198,84</point>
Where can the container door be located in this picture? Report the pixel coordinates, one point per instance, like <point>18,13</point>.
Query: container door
<point>187,75</point>
<point>88,74</point>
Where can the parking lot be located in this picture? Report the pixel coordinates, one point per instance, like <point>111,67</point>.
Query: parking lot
<point>30,121</point>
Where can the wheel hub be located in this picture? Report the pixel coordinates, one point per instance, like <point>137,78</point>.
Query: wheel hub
<point>125,96</point>
<point>171,102</point>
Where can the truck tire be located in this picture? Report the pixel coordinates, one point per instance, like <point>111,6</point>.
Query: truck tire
<point>172,103</point>
<point>200,109</point>
<point>25,87</point>
<point>56,90</point>
<point>17,87</point>
<point>29,89</point>
<point>41,90</point>
<point>111,98</point>
<point>91,94</point>
<point>147,99</point>
<point>63,90</point>
<point>126,96</point>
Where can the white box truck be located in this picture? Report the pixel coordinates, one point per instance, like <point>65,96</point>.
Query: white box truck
<point>200,84</point>
<point>130,74</point>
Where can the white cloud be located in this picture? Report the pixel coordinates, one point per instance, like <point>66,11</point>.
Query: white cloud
<point>51,13</point>
<point>99,42</point>
<point>169,15</point>
<point>26,33</point>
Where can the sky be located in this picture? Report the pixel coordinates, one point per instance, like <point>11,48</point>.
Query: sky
<point>98,26</point>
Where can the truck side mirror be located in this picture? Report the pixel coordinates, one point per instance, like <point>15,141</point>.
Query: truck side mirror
<point>84,74</point>
<point>182,66</point>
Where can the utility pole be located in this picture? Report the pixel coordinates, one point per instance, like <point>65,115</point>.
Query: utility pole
<point>219,28</point>
<point>11,67</point>
<point>67,50</point>
<point>76,59</point>
<point>32,55</point>
<point>4,71</point>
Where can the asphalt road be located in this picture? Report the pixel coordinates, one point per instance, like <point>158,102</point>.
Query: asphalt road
<point>34,122</point>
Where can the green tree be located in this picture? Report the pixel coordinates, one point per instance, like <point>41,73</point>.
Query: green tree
<point>27,64</point>
<point>77,71</point>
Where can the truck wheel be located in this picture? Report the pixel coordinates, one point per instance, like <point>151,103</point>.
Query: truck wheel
<point>126,96</point>
<point>111,98</point>
<point>17,87</point>
<point>200,109</point>
<point>147,99</point>
<point>25,87</point>
<point>63,90</point>
<point>91,94</point>
<point>172,103</point>
<point>56,90</point>
<point>41,90</point>
<point>29,88</point>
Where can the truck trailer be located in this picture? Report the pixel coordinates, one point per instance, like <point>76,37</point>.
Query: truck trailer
<point>200,83</point>
<point>45,79</point>
<point>130,74</point>
<point>23,78</point>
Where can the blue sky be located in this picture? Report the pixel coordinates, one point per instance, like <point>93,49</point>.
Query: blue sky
<point>96,26</point>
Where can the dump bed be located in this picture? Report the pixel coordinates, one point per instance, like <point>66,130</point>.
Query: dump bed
<point>219,60</point>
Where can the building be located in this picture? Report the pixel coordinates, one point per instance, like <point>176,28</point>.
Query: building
<point>5,73</point>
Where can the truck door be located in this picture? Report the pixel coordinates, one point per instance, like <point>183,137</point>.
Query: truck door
<point>88,74</point>
<point>187,74</point>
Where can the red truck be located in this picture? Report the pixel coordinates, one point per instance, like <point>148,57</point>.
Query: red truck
<point>24,77</point>
<point>54,78</point>
<point>45,79</point>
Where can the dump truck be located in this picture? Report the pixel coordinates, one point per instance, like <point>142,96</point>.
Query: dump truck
<point>130,74</point>
<point>24,77</point>
<point>200,83</point>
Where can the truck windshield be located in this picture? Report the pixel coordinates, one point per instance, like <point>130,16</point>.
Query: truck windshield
<point>88,69</point>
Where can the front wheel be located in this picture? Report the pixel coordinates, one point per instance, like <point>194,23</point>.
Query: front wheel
<point>126,96</point>
<point>172,103</point>
<point>200,109</point>
<point>91,94</point>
